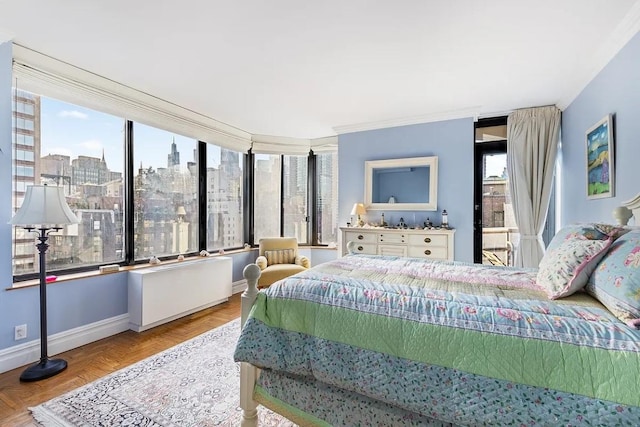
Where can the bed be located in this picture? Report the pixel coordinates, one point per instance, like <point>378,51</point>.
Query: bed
<point>379,340</point>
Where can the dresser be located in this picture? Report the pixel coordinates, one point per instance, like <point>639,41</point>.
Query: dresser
<point>432,243</point>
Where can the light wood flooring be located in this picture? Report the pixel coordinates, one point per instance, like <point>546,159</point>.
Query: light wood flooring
<point>95,360</point>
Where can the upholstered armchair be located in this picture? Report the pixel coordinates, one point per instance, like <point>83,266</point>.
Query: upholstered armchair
<point>278,258</point>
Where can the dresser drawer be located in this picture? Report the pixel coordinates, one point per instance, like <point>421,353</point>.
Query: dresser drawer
<point>392,238</point>
<point>393,250</point>
<point>436,252</point>
<point>428,240</point>
<point>352,236</point>
<point>365,248</point>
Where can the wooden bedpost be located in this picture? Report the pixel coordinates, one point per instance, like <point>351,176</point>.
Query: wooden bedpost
<point>248,372</point>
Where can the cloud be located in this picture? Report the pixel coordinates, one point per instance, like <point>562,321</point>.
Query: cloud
<point>73,114</point>
<point>92,145</point>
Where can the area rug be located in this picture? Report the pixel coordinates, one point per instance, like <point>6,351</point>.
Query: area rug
<point>195,383</point>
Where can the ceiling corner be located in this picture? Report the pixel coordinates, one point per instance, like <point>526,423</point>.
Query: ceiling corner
<point>5,36</point>
<point>625,31</point>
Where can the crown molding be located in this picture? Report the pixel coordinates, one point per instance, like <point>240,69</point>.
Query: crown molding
<point>404,121</point>
<point>626,29</point>
<point>270,144</point>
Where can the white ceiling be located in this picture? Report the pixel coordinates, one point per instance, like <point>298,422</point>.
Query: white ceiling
<point>309,69</point>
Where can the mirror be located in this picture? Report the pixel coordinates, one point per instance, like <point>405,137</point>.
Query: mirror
<point>401,184</point>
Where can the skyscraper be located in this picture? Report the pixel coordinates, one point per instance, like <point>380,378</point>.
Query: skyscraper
<point>173,158</point>
<point>26,171</point>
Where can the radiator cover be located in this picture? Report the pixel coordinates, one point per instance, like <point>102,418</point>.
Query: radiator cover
<point>164,293</point>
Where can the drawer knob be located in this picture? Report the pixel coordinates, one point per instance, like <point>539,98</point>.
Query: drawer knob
<point>427,239</point>
<point>427,252</point>
<point>360,237</point>
<point>360,248</point>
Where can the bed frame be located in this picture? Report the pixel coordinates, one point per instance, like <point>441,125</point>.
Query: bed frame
<point>248,372</point>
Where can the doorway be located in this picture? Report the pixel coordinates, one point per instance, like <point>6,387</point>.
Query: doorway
<point>495,230</point>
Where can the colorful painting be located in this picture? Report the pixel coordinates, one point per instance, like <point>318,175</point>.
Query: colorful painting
<point>600,159</point>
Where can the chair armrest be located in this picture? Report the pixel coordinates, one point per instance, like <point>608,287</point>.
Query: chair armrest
<point>303,261</point>
<point>261,261</point>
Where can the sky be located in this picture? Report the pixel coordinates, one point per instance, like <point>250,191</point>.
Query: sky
<point>495,164</point>
<point>73,130</point>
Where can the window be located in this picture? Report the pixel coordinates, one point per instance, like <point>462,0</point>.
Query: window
<point>326,216</point>
<point>224,198</point>
<point>85,155</point>
<point>179,204</point>
<point>267,201</point>
<point>165,201</point>
<point>294,200</point>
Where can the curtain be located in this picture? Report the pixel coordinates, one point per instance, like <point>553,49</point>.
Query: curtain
<point>532,147</point>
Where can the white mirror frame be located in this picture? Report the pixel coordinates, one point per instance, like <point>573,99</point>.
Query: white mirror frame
<point>431,162</point>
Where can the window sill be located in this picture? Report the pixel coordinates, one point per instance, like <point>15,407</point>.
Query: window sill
<point>95,273</point>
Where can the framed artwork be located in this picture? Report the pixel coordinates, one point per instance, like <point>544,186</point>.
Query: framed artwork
<point>600,168</point>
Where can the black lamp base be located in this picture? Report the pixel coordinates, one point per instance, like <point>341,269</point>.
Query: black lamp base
<point>43,369</point>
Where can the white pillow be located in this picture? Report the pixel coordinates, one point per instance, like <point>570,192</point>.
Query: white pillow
<point>566,268</point>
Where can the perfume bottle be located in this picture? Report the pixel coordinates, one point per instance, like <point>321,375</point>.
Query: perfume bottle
<point>382,221</point>
<point>445,219</point>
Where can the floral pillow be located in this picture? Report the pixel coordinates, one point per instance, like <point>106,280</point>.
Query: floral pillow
<point>566,267</point>
<point>616,280</point>
<point>591,231</point>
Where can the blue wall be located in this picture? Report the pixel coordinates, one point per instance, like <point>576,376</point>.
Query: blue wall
<point>615,90</point>
<point>451,141</point>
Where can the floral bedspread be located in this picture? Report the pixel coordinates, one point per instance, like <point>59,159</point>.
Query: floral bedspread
<point>448,340</point>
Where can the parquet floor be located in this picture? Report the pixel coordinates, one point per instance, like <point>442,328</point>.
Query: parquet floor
<point>92,361</point>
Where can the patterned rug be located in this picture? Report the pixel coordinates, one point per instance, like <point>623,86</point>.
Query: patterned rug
<point>195,383</point>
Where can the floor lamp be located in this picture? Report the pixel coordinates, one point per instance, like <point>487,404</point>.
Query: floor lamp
<point>43,211</point>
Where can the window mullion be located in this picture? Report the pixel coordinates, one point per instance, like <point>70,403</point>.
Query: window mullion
<point>202,196</point>
<point>128,193</point>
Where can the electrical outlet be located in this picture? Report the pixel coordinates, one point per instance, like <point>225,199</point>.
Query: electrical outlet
<point>20,332</point>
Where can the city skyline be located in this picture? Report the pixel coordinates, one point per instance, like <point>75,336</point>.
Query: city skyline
<point>72,130</point>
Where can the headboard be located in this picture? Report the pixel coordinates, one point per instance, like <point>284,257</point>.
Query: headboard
<point>628,209</point>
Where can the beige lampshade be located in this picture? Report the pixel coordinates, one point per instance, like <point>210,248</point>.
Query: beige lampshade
<point>44,206</point>
<point>358,209</point>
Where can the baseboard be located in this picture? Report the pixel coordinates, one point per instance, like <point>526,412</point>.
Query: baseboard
<point>24,354</point>
<point>239,286</point>
<point>29,352</point>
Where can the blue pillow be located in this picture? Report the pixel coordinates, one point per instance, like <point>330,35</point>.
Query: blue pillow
<point>615,282</point>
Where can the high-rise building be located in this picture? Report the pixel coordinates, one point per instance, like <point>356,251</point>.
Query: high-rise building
<point>173,158</point>
<point>224,202</point>
<point>26,170</point>
<point>89,170</point>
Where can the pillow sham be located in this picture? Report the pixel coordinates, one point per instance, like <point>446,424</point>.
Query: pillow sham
<point>590,231</point>
<point>566,268</point>
<point>615,282</point>
<point>280,256</point>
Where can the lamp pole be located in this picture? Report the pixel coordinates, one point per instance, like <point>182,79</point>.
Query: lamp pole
<point>46,367</point>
